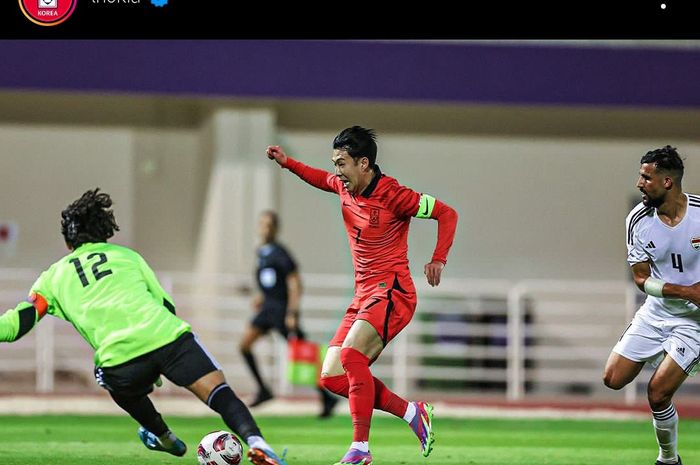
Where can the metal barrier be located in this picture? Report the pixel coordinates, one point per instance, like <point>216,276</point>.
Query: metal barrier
<point>518,340</point>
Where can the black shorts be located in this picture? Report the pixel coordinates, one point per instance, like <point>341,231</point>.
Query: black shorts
<point>274,316</point>
<point>182,361</point>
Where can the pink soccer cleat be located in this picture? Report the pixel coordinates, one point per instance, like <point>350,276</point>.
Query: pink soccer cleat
<point>356,457</point>
<point>422,426</point>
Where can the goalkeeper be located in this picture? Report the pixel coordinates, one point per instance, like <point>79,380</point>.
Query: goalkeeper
<point>114,300</point>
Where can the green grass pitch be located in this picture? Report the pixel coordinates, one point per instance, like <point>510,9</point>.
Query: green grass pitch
<point>111,440</point>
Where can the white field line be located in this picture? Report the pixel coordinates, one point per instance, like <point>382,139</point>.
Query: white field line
<point>190,406</point>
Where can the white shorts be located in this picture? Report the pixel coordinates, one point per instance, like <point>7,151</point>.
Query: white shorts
<point>646,339</point>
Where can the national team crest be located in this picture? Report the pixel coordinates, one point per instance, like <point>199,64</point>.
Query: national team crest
<point>695,242</point>
<point>374,217</point>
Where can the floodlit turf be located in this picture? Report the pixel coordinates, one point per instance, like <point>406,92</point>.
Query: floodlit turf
<point>105,440</point>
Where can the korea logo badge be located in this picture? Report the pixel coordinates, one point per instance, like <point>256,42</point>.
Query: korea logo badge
<point>47,12</point>
<point>695,242</point>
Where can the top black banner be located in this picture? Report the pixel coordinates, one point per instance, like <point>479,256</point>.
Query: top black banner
<point>240,19</point>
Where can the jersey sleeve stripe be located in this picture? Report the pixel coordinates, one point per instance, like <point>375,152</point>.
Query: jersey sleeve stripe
<point>636,218</point>
<point>692,365</point>
<point>27,320</point>
<point>169,305</point>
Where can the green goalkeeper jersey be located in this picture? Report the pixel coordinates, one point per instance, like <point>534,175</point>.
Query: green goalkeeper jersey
<point>112,298</point>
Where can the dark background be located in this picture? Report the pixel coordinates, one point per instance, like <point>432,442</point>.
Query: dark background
<point>471,19</point>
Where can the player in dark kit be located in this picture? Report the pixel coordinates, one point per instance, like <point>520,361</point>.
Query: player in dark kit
<point>377,211</point>
<point>277,304</point>
<point>114,300</point>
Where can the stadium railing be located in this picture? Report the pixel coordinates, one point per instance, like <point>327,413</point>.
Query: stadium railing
<point>521,340</point>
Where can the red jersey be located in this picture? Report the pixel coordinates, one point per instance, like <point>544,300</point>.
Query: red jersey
<point>376,220</point>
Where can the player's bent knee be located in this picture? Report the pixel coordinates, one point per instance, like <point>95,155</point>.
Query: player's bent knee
<point>613,382</point>
<point>659,403</point>
<point>350,358</point>
<point>204,386</point>
<point>659,398</point>
<point>331,363</point>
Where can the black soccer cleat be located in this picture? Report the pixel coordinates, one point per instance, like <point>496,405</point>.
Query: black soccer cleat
<point>263,396</point>
<point>680,462</point>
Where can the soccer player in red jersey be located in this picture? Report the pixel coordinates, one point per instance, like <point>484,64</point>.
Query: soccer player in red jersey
<point>377,211</point>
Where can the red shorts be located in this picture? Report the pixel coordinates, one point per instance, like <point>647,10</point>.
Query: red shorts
<point>386,301</point>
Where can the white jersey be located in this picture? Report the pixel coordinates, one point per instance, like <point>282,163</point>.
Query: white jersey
<point>672,252</point>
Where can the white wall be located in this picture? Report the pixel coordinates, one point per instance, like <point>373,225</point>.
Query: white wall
<point>43,169</point>
<point>531,207</point>
<point>156,177</point>
<point>171,172</point>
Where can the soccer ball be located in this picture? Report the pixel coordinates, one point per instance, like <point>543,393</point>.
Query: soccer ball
<point>219,448</point>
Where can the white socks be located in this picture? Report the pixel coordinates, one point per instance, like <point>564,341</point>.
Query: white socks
<point>666,426</point>
<point>257,442</point>
<point>410,412</point>
<point>408,416</point>
<point>361,446</point>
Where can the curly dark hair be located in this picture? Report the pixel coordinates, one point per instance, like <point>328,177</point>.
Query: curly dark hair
<point>88,220</point>
<point>666,159</point>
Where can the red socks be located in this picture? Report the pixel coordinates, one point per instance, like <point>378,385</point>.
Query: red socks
<point>384,399</point>
<point>338,384</point>
<point>361,392</point>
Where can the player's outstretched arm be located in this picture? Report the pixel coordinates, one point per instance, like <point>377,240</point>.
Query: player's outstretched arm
<point>18,321</point>
<point>275,152</point>
<point>318,178</point>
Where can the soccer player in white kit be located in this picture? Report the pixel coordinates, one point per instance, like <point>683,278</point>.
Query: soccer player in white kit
<point>663,249</point>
